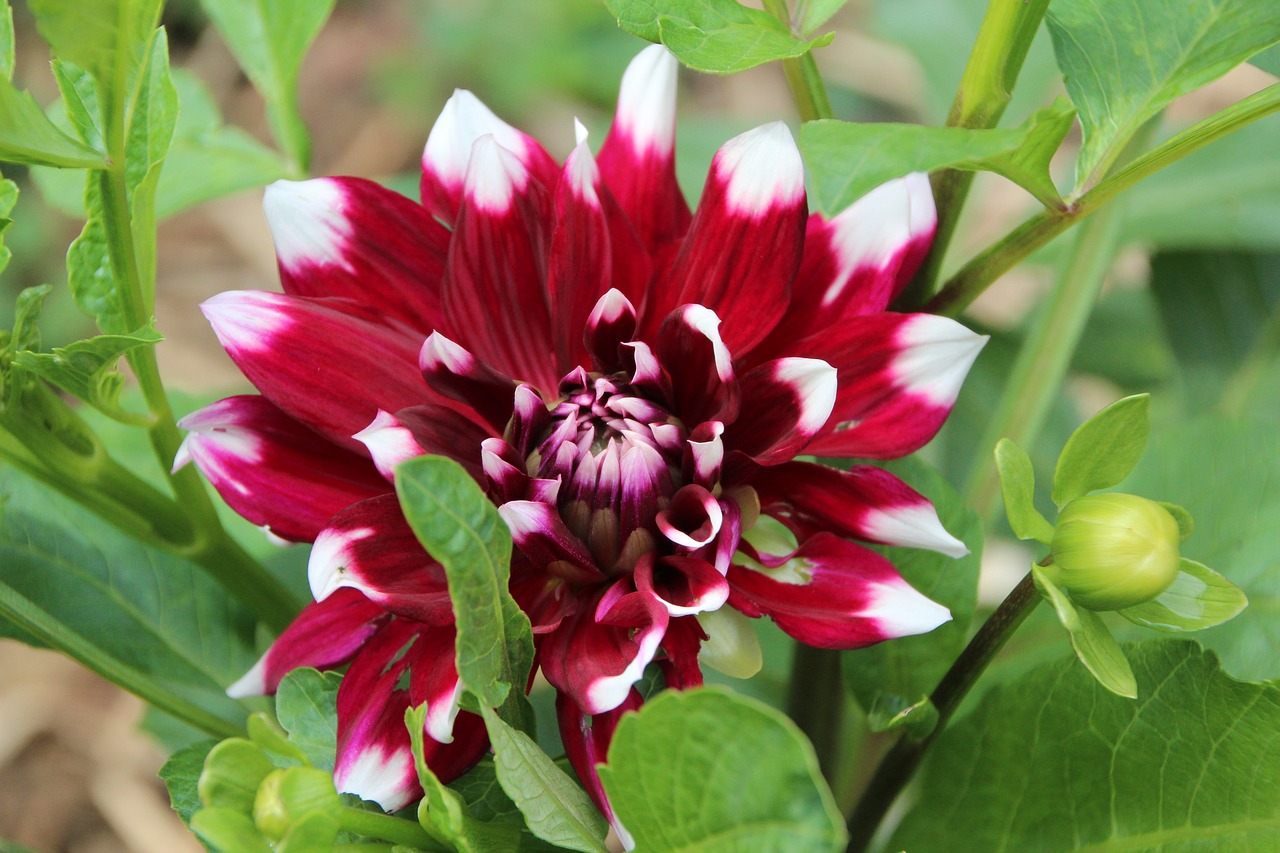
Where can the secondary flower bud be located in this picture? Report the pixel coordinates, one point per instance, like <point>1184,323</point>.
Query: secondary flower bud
<point>1114,551</point>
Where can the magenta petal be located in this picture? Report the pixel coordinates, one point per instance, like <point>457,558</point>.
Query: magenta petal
<point>680,667</point>
<point>684,585</point>
<point>789,401</point>
<point>836,595</point>
<point>263,463</point>
<point>699,365</point>
<point>324,635</point>
<point>865,501</point>
<point>410,432</point>
<point>455,373</point>
<point>540,533</point>
<point>370,547</point>
<point>611,323</point>
<point>586,741</point>
<point>495,287</point>
<point>329,371</point>
<point>692,519</point>
<point>351,238</point>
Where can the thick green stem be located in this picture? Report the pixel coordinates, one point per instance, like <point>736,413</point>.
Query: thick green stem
<point>1007,30</point>
<point>900,764</point>
<point>17,609</point>
<point>388,828</point>
<point>803,78</point>
<point>981,272</point>
<point>816,703</point>
<point>1042,362</point>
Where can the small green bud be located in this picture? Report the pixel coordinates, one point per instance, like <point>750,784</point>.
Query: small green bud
<point>286,796</point>
<point>1114,551</point>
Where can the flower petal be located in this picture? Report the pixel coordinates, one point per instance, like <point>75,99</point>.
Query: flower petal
<point>638,156</point>
<point>445,159</point>
<point>391,439</point>
<point>865,501</point>
<point>495,288</point>
<point>692,519</point>
<point>745,243</point>
<point>703,383</point>
<point>586,739</point>
<point>351,238</point>
<point>329,371</point>
<point>611,323</point>
<point>835,595</point>
<point>263,463</point>
<point>324,635</point>
<point>899,376</point>
<point>539,532</point>
<point>684,585</point>
<point>790,400</point>
<point>370,547</point>
<point>455,373</point>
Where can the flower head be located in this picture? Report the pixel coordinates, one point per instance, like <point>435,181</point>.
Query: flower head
<point>629,381</point>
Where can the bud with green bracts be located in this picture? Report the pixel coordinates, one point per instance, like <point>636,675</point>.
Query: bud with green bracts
<point>1113,551</point>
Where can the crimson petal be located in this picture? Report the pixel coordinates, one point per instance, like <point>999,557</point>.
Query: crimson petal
<point>391,439</point>
<point>703,385</point>
<point>789,401</point>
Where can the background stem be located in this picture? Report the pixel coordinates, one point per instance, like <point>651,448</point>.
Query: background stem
<point>816,702</point>
<point>803,77</point>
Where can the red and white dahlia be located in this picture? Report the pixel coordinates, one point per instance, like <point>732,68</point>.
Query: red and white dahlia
<point>631,383</point>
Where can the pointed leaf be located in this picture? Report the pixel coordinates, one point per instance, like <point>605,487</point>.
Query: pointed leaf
<point>749,773</point>
<point>1103,450</point>
<point>818,12</point>
<point>1093,643</point>
<point>1199,598</point>
<point>87,370</point>
<point>103,37</point>
<point>555,808</point>
<point>461,528</point>
<point>1125,60</point>
<point>89,272</point>
<point>918,718</point>
<point>27,135</point>
<point>6,41</point>
<point>1017,482</point>
<point>845,160</point>
<point>307,707</point>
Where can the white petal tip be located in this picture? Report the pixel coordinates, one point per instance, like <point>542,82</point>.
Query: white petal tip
<point>937,353</point>
<point>915,526</point>
<point>308,222</point>
<point>901,611</point>
<point>378,777</point>
<point>647,102</point>
<point>252,683</point>
<point>762,170</point>
<point>463,120</point>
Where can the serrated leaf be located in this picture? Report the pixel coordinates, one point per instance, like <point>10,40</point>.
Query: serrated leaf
<point>749,770</point>
<point>87,370</point>
<point>485,799</point>
<point>89,273</point>
<point>159,614</point>
<point>307,708</point>
<point>912,666</point>
<point>271,739</point>
<point>1123,61</point>
<point>461,528</point>
<point>27,135</point>
<point>715,36</point>
<point>1103,450</point>
<point>1017,482</point>
<point>1053,762</point>
<point>269,39</point>
<point>79,105</point>
<point>846,160</point>
<point>1199,598</point>
<point>555,808</point>
<point>1093,643</point>
<point>181,773</point>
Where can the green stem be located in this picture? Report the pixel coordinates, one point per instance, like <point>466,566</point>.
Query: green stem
<point>1044,358</point>
<point>816,703</point>
<point>1007,30</point>
<point>900,764</point>
<point>387,828</point>
<point>17,609</point>
<point>803,77</point>
<point>981,272</point>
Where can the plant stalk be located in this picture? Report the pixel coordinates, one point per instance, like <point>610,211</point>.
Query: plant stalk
<point>388,828</point>
<point>816,703</point>
<point>803,77</point>
<point>900,764</point>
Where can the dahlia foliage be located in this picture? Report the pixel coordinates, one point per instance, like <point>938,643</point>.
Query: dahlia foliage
<point>630,382</point>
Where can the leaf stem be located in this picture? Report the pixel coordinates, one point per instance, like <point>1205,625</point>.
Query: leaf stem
<point>803,77</point>
<point>1007,30</point>
<point>900,764</point>
<point>994,261</point>
<point>387,828</point>
<point>19,610</point>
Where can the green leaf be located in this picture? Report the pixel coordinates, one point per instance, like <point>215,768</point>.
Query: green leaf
<point>889,713</point>
<point>228,829</point>
<point>8,198</point>
<point>716,36</point>
<point>845,160</point>
<point>28,136</point>
<point>483,794</point>
<point>909,667</point>
<point>181,773</point>
<point>307,707</point>
<point>1018,483</point>
<point>269,39</point>
<point>1268,61</point>
<point>815,13</point>
<point>706,770</point>
<point>79,104</point>
<point>273,740</point>
<point>461,528</point>
<point>6,41</point>
<point>1125,60</point>
<point>87,369</point>
<point>1186,524</point>
<point>1223,470</point>
<point>155,612</point>
<point>89,272</point>
<point>1052,762</point>
<point>555,808</point>
<point>1093,643</point>
<point>104,38</point>
<point>1199,598</point>
<point>1103,450</point>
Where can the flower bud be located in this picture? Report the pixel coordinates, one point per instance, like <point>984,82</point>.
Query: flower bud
<point>1114,551</point>
<point>286,796</point>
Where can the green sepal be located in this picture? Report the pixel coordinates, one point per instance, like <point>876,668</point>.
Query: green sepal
<point>891,712</point>
<point>1103,450</point>
<point>1017,483</point>
<point>233,772</point>
<point>229,829</point>
<point>1093,643</point>
<point>1186,524</point>
<point>1199,598</point>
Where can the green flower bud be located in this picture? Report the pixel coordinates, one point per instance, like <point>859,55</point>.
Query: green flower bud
<point>1114,551</point>
<point>286,796</point>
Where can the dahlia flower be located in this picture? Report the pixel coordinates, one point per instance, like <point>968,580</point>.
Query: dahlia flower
<point>630,382</point>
